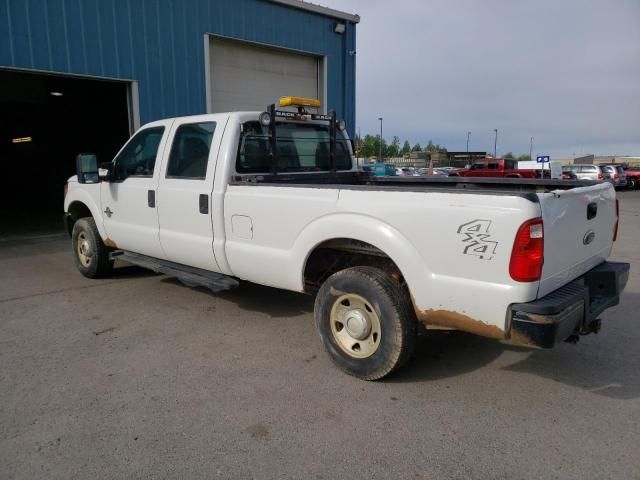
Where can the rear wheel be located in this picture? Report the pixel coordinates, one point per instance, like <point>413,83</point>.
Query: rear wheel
<point>90,254</point>
<point>366,322</point>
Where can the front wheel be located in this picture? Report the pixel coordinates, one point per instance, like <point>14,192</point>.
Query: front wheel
<point>90,254</point>
<point>633,183</point>
<point>366,322</point>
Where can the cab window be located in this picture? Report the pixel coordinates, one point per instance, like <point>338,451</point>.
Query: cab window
<point>190,151</point>
<point>509,164</point>
<point>300,148</point>
<point>138,158</point>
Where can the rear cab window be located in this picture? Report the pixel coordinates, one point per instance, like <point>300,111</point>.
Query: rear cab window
<point>190,151</point>
<point>300,147</point>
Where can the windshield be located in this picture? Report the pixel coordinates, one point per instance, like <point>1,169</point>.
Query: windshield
<point>300,147</point>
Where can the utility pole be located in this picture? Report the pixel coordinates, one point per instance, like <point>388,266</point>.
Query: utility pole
<point>380,118</point>
<point>531,149</point>
<point>358,148</point>
<point>468,159</point>
<point>495,144</point>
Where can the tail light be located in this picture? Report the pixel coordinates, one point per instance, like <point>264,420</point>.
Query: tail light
<point>615,228</point>
<point>600,176</point>
<point>527,255</point>
<point>616,176</point>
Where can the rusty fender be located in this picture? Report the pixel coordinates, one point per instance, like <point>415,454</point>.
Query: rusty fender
<point>109,243</point>
<point>446,319</point>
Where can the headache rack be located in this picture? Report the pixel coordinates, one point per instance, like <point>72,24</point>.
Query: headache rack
<point>269,117</point>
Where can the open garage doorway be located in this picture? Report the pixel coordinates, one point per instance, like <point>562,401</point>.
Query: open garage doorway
<point>45,120</point>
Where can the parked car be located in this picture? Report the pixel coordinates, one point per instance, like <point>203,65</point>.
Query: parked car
<point>633,176</point>
<point>587,172</point>
<point>380,169</point>
<point>569,175</point>
<point>495,167</point>
<point>406,171</point>
<point>268,198</point>
<point>436,171</point>
<point>616,175</point>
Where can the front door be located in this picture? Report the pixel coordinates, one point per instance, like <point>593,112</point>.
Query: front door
<point>184,191</point>
<point>129,202</point>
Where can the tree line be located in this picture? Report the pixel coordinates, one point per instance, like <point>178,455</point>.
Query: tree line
<point>369,146</point>
<point>521,158</point>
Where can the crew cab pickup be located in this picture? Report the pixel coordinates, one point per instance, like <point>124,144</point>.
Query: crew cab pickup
<point>495,167</point>
<point>276,198</point>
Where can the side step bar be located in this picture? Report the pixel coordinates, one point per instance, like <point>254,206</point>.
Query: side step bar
<point>190,276</point>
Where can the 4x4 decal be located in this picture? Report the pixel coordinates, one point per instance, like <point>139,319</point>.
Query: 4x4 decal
<point>476,239</point>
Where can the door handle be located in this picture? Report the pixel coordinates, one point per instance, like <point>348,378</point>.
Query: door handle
<point>151,198</point>
<point>204,203</point>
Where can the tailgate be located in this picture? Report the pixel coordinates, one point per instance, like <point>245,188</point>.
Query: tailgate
<point>578,232</point>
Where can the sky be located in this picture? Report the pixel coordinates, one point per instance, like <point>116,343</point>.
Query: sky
<point>566,72</point>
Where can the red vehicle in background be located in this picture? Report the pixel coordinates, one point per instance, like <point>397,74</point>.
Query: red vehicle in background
<point>496,167</point>
<point>633,176</point>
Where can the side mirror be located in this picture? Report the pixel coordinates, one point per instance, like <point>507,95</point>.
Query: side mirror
<point>87,168</point>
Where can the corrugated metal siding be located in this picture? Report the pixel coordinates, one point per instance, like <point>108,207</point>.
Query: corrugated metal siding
<point>160,44</point>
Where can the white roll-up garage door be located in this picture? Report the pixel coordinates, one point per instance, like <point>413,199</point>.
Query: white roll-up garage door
<point>245,76</point>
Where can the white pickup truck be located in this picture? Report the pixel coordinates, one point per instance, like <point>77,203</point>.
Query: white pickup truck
<point>275,198</point>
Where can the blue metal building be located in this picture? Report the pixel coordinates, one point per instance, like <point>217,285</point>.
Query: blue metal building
<point>82,75</point>
<point>161,48</point>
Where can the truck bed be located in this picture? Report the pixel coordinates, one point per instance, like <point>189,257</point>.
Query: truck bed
<point>366,181</point>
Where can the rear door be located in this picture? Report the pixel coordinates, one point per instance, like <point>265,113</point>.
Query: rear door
<point>184,191</point>
<point>578,232</point>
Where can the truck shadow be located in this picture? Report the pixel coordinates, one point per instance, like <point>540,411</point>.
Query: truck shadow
<point>272,301</point>
<point>445,354</point>
<point>609,369</point>
<point>606,364</point>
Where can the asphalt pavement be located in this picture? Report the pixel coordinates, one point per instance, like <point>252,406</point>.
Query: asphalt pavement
<point>137,376</point>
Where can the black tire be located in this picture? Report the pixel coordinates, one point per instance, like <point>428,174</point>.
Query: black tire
<point>632,183</point>
<point>96,263</point>
<point>395,316</point>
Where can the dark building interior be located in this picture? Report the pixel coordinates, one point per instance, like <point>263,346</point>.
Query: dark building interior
<point>45,121</point>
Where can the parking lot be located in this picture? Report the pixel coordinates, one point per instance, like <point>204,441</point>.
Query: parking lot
<point>137,376</point>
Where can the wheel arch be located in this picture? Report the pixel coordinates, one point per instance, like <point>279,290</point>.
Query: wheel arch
<point>364,236</point>
<point>79,204</point>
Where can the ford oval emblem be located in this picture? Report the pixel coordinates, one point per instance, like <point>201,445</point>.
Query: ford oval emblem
<point>588,237</point>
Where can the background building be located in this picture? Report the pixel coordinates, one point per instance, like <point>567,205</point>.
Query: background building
<point>82,75</point>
